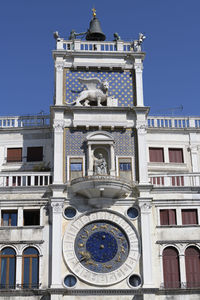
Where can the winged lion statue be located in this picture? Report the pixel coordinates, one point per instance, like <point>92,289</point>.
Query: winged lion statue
<point>93,94</point>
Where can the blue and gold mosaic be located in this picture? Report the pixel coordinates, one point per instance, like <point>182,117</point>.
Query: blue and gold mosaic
<point>75,142</point>
<point>120,85</point>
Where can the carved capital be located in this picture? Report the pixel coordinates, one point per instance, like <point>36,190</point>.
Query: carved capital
<point>59,66</point>
<point>138,67</point>
<point>57,207</point>
<point>59,125</point>
<point>145,207</point>
<point>141,127</point>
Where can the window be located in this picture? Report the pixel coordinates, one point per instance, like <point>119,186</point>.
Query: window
<point>7,268</point>
<point>171,268</point>
<point>31,217</point>
<point>76,168</point>
<point>192,264</point>
<point>14,154</point>
<point>167,217</point>
<point>156,155</point>
<point>175,155</point>
<point>9,218</point>
<point>30,268</point>
<point>189,216</point>
<point>125,168</point>
<point>34,153</point>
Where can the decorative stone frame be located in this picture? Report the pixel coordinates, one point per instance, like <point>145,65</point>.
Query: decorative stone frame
<point>93,278</point>
<point>101,139</point>
<point>69,157</point>
<point>181,248</point>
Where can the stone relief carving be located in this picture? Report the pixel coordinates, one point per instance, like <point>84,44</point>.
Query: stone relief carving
<point>93,94</point>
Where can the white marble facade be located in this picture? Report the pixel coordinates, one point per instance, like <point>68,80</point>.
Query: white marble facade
<point>97,189</point>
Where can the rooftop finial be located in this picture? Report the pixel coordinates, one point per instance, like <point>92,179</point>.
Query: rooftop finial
<point>94,12</point>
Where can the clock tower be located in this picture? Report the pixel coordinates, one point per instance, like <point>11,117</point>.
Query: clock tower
<point>100,204</point>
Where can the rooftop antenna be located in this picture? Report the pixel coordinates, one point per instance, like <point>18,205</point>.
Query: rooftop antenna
<point>171,110</point>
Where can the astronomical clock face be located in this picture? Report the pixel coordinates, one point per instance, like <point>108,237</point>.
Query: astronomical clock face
<point>101,248</point>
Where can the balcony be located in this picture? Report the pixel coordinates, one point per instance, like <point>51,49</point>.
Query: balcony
<point>173,122</point>
<point>25,179</point>
<point>175,180</point>
<point>25,121</point>
<point>98,186</point>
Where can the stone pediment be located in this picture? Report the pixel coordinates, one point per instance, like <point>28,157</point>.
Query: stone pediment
<point>100,136</point>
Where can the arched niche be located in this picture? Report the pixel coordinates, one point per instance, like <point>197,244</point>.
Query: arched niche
<point>100,151</point>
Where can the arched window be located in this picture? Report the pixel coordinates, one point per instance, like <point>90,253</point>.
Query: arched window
<point>30,268</point>
<point>7,268</point>
<point>171,268</point>
<point>192,264</point>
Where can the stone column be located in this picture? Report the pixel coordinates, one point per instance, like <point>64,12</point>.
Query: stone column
<point>182,270</point>
<point>142,154</point>
<point>59,65</point>
<point>90,160</point>
<point>138,66</point>
<point>58,151</point>
<point>112,161</point>
<point>19,271</point>
<point>57,209</point>
<point>20,217</point>
<point>146,212</point>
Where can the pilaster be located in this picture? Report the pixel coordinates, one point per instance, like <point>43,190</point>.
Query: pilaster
<point>141,126</point>
<point>57,209</point>
<point>146,227</point>
<point>59,65</point>
<point>58,126</point>
<point>138,66</point>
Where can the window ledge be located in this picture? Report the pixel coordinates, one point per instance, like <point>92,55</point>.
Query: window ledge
<point>21,227</point>
<point>177,226</point>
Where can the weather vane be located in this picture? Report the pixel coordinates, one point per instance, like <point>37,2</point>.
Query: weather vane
<point>94,12</point>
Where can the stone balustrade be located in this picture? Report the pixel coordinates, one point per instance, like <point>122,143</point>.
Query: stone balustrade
<point>25,121</point>
<point>25,179</point>
<point>173,122</point>
<point>175,180</point>
<point>78,45</point>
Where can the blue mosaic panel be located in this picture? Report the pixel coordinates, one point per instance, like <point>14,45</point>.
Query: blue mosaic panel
<point>120,85</point>
<point>75,142</point>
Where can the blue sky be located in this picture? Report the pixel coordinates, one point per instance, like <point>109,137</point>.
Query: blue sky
<point>171,66</point>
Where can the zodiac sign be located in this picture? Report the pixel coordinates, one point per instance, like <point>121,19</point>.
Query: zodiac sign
<point>85,255</point>
<point>80,245</point>
<point>94,227</point>
<point>118,258</point>
<point>122,249</point>
<point>104,226</point>
<point>107,266</point>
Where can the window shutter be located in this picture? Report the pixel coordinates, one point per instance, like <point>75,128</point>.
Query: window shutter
<point>192,264</point>
<point>171,268</point>
<point>156,155</point>
<point>189,216</point>
<point>14,154</point>
<point>176,155</point>
<point>164,217</point>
